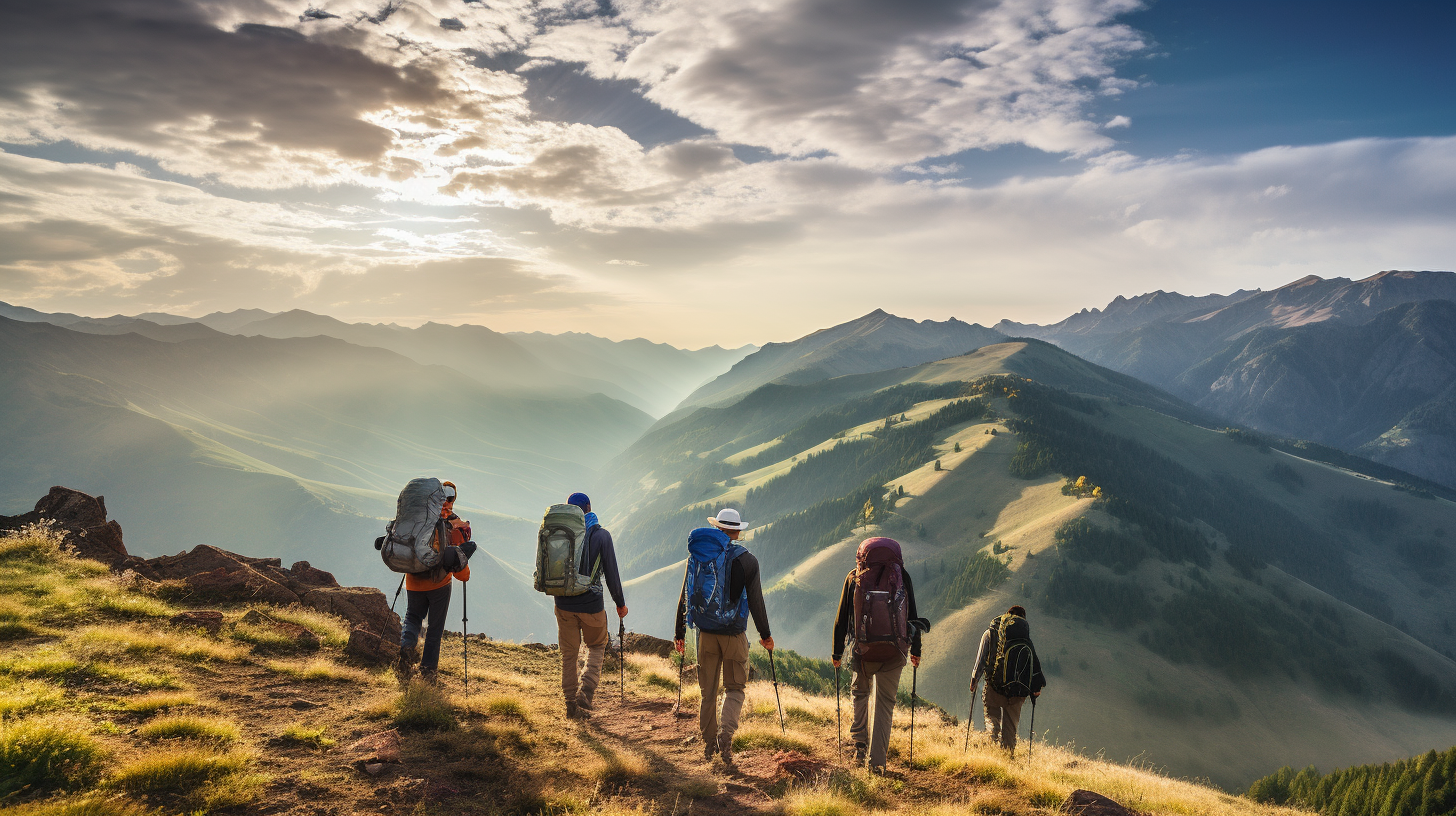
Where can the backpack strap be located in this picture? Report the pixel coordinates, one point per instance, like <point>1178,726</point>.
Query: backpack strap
<point>596,569</point>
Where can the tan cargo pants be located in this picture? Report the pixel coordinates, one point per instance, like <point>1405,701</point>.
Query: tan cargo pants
<point>1003,717</point>
<point>572,628</point>
<point>883,679</point>
<point>728,655</point>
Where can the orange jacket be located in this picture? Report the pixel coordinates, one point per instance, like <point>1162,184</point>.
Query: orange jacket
<point>459,534</point>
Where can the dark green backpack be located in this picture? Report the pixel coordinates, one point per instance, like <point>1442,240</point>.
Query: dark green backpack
<point>1013,663</point>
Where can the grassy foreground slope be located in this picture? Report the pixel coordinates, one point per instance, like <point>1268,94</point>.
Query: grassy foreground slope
<point>1204,601</point>
<point>109,711</point>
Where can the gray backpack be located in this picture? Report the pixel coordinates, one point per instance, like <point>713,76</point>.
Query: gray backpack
<point>560,543</point>
<point>416,540</point>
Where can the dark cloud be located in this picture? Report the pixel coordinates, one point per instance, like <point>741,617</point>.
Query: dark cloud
<point>127,70</point>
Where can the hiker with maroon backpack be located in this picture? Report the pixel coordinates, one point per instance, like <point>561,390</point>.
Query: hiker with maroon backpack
<point>1012,670</point>
<point>720,590</point>
<point>877,608</point>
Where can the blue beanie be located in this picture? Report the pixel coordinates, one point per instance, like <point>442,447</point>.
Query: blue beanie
<point>579,499</point>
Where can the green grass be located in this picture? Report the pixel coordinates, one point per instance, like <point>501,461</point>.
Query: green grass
<point>48,755</point>
<point>422,707</point>
<point>53,664</point>
<point>265,639</point>
<point>25,696</point>
<point>659,680</point>
<point>201,729</point>
<point>298,734</point>
<point>134,641</point>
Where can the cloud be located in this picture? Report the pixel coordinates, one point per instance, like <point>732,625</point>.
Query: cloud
<point>1117,122</point>
<point>873,83</point>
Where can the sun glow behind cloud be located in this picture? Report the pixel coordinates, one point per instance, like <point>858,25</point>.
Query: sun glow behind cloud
<point>387,163</point>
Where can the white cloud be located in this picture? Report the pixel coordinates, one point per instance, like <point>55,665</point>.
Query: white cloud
<point>1117,122</point>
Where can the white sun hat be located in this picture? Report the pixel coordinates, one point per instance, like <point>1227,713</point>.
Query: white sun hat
<point>728,519</point>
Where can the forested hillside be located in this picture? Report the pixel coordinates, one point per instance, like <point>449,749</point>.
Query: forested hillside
<point>1419,786</point>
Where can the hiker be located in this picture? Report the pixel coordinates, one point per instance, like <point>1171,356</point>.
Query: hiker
<point>582,618</point>
<point>1012,671</point>
<point>877,607</point>
<point>429,591</point>
<point>715,558</point>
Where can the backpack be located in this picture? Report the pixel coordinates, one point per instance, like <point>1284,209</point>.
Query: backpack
<point>560,546</point>
<point>881,628</point>
<point>1013,662</point>
<point>416,539</point>
<point>710,567</point>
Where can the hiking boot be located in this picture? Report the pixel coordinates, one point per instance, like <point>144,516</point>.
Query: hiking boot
<point>860,752</point>
<point>571,713</point>
<point>430,677</point>
<point>709,749</point>
<point>877,770</point>
<point>407,656</point>
<point>725,750</point>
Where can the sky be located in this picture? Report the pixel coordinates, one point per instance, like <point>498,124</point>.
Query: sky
<point>713,171</point>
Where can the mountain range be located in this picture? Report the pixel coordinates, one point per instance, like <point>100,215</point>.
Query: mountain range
<point>1367,366</point>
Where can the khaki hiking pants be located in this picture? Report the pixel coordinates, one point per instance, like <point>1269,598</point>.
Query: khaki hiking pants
<point>1003,716</point>
<point>883,679</point>
<point>728,655</point>
<point>572,629</point>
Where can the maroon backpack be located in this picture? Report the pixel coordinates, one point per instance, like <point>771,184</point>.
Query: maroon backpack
<point>881,629</point>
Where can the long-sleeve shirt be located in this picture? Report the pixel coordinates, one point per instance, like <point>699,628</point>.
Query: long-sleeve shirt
<point>843,621</point>
<point>987,653</point>
<point>742,577</point>
<point>591,601</point>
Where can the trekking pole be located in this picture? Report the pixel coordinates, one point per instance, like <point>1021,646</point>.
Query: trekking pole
<point>622,657</point>
<point>775,673</point>
<point>465,634</point>
<point>969,712</point>
<point>396,594</point>
<point>681,659</point>
<point>838,728</point>
<point>914,679</point>
<point>1032,741</point>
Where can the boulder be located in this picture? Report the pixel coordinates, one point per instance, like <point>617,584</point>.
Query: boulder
<point>1087,803</point>
<point>647,644</point>
<point>381,747</point>
<point>82,518</point>
<point>367,647</point>
<point>794,765</point>
<point>237,584</point>
<point>208,619</point>
<point>362,607</point>
<point>311,576</point>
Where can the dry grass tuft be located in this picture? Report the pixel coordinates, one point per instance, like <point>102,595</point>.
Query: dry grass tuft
<point>820,803</point>
<point>332,630</point>
<point>196,779</point>
<point>299,734</point>
<point>200,729</point>
<point>120,639</point>
<point>422,707</point>
<point>19,697</point>
<point>87,806</point>
<point>320,670</point>
<point>510,707</point>
<point>155,703</point>
<point>769,739</point>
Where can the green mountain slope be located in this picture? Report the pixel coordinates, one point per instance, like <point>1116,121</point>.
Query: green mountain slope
<point>294,447</point>
<point>1217,607</point>
<point>875,342</point>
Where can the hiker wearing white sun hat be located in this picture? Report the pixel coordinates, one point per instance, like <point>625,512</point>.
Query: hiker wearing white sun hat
<point>720,591</point>
<point>728,520</point>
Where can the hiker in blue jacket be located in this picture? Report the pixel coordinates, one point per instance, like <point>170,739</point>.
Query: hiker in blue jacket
<point>583,618</point>
<point>721,619</point>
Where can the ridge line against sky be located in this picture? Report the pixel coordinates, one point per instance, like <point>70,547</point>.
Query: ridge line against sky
<point>711,173</point>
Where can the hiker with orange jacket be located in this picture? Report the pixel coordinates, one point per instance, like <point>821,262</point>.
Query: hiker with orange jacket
<point>877,609</point>
<point>429,592</point>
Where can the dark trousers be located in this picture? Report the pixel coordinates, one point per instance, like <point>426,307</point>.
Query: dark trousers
<point>434,603</point>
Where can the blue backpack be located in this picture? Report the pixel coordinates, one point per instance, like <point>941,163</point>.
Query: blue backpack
<point>710,564</point>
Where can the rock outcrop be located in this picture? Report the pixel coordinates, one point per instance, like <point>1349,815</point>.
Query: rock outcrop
<point>1087,803</point>
<point>211,574</point>
<point>83,520</point>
